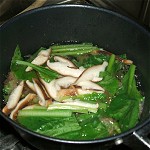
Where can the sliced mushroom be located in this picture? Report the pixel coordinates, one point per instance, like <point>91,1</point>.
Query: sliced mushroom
<point>41,58</point>
<point>31,86</point>
<point>89,85</point>
<point>127,61</point>
<point>80,91</point>
<point>92,73</point>
<point>48,102</point>
<point>13,98</point>
<point>22,103</point>
<point>64,60</point>
<point>65,82</point>
<point>51,88</point>
<point>40,92</point>
<point>63,69</point>
<point>31,106</point>
<point>55,85</point>
<point>67,92</point>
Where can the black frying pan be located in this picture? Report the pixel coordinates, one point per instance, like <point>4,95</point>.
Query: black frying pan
<point>54,24</point>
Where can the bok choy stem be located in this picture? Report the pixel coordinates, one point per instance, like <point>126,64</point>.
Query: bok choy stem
<point>73,49</point>
<point>131,77</point>
<point>74,52</point>
<point>44,113</point>
<point>111,62</point>
<point>75,105</point>
<point>56,47</point>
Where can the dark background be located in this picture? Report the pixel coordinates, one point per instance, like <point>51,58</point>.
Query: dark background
<point>136,9</point>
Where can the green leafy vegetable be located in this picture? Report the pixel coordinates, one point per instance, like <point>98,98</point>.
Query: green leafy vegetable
<point>131,118</point>
<point>125,106</point>
<point>119,106</point>
<point>90,60</point>
<point>44,73</point>
<point>19,71</point>
<point>73,49</point>
<point>111,63</point>
<point>129,85</point>
<point>80,116</point>
<point>59,127</point>
<point>108,80</point>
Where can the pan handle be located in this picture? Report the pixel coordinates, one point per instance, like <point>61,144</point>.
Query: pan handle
<point>144,140</point>
<point>139,139</point>
<point>142,135</point>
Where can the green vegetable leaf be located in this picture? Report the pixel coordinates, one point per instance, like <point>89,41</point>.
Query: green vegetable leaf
<point>19,71</point>
<point>59,127</point>
<point>110,83</point>
<point>125,110</point>
<point>119,106</point>
<point>130,119</point>
<point>114,66</point>
<point>35,118</point>
<point>90,60</point>
<point>93,130</point>
<point>45,74</point>
<point>129,85</point>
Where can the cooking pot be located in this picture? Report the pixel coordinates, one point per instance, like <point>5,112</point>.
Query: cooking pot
<point>77,23</point>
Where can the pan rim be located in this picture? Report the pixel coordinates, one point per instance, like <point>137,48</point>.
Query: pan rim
<point>94,141</point>
<point>13,19</point>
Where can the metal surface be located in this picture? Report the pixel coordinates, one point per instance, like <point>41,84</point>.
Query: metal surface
<point>144,141</point>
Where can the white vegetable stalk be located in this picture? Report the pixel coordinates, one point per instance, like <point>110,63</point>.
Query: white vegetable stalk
<point>74,105</point>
